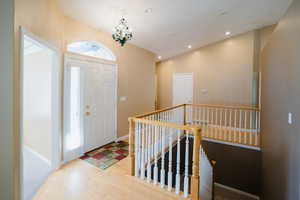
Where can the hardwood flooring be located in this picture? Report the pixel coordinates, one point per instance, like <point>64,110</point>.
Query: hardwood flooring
<point>79,180</point>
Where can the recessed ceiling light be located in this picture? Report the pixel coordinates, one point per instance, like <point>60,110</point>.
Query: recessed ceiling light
<point>223,12</point>
<point>227,33</point>
<point>190,46</point>
<point>148,10</point>
<point>159,57</point>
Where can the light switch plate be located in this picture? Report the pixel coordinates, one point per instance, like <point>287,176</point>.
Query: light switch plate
<point>123,98</point>
<point>204,91</point>
<point>290,118</point>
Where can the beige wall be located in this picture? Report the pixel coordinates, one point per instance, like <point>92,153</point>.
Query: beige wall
<point>225,69</point>
<point>7,152</point>
<point>136,66</point>
<point>280,95</point>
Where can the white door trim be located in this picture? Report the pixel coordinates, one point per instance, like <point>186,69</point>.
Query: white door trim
<point>173,83</point>
<point>56,99</point>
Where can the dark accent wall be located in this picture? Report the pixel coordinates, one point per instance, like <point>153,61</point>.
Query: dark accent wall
<point>236,167</point>
<point>280,65</point>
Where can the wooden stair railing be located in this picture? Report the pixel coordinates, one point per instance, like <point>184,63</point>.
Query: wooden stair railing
<point>233,124</point>
<point>153,136</point>
<point>141,159</point>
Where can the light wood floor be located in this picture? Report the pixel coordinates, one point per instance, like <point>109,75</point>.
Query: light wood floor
<point>79,180</point>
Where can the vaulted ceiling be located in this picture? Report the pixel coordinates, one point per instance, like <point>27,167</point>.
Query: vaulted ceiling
<point>167,27</point>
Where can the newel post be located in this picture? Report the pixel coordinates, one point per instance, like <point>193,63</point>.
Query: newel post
<point>131,146</point>
<point>195,182</point>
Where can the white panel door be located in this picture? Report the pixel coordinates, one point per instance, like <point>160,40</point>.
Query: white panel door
<point>99,105</point>
<point>109,85</point>
<point>182,88</point>
<point>90,105</point>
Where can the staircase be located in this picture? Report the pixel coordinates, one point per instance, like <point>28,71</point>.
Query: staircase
<point>166,150</point>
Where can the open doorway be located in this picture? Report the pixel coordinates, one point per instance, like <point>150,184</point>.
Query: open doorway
<point>40,112</point>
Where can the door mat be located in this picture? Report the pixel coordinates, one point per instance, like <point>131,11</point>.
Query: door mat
<point>107,155</point>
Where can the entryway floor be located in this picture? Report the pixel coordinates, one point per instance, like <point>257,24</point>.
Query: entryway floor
<point>78,180</point>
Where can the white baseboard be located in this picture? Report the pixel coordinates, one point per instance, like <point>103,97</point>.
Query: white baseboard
<point>48,162</point>
<point>122,138</point>
<point>237,191</point>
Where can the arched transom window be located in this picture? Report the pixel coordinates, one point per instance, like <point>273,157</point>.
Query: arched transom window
<point>91,48</point>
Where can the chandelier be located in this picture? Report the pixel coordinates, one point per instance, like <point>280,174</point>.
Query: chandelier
<point>122,32</point>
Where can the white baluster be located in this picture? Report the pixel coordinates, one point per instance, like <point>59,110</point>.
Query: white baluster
<point>152,137</point>
<point>186,169</point>
<point>225,126</point>
<point>212,123</point>
<point>259,122</point>
<point>230,125</point>
<point>136,145</point>
<point>149,155</point>
<point>170,173</point>
<point>190,115</point>
<point>245,133</point>
<point>209,122</point>
<point>216,125</point>
<point>199,115</point>
<point>146,144</point>
<point>195,118</point>
<point>205,122</point>
<point>256,128</point>
<point>183,113</point>
<point>221,128</point>
<point>251,139</point>
<point>143,152</point>
<point>155,155</point>
<point>177,186</point>
<point>162,171</point>
<point>240,129</point>
<point>235,124</point>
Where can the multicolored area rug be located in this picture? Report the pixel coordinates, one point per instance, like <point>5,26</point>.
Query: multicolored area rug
<point>106,156</point>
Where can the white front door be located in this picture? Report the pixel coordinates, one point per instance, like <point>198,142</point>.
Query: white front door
<point>91,87</point>
<point>182,88</point>
<point>99,105</point>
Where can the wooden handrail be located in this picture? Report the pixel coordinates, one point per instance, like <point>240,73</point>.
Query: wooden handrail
<point>159,111</point>
<point>190,128</point>
<point>198,105</point>
<point>226,107</point>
